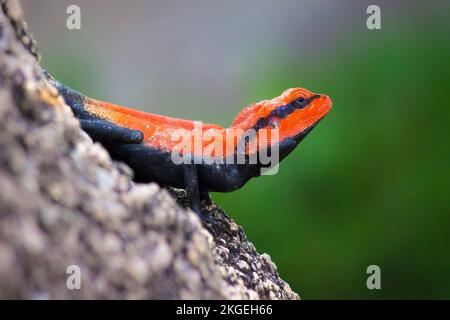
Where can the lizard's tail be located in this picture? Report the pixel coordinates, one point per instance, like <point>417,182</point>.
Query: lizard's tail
<point>73,98</point>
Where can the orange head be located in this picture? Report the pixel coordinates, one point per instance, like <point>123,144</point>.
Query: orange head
<point>294,113</point>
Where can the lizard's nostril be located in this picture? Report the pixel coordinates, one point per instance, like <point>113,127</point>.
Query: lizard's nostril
<point>326,101</point>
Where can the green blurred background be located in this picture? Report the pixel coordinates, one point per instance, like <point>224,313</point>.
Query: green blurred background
<point>370,185</point>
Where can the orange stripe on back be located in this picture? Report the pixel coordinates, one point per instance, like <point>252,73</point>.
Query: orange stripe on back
<point>160,131</point>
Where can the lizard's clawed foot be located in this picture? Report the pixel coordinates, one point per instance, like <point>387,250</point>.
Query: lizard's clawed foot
<point>209,221</point>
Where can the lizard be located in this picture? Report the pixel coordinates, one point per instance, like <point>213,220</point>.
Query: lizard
<point>145,141</point>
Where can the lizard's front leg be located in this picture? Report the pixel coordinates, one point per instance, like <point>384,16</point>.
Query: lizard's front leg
<point>108,132</point>
<point>193,193</point>
<point>191,184</point>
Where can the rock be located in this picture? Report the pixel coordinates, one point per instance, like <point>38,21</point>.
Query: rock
<point>64,202</point>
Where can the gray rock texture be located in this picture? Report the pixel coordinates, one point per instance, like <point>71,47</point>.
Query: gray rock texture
<point>64,202</point>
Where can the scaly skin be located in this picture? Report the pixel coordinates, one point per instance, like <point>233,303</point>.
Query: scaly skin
<point>145,141</point>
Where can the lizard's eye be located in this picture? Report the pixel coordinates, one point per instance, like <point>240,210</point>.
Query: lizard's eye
<point>300,102</point>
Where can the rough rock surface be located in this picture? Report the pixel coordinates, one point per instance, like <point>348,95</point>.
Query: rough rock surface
<point>64,202</point>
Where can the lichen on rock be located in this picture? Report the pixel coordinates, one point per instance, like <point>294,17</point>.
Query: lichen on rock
<point>64,202</point>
